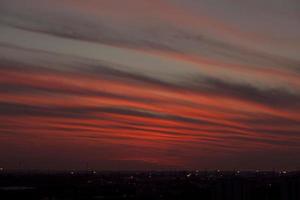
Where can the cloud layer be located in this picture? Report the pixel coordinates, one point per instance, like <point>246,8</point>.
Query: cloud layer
<point>149,84</point>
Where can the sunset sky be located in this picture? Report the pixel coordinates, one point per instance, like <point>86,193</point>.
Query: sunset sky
<point>150,84</point>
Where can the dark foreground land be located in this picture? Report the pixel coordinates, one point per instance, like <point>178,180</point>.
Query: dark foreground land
<point>185,185</point>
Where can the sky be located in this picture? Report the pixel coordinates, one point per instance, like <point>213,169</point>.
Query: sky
<point>150,84</point>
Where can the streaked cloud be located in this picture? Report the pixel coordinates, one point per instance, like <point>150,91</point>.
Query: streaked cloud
<point>151,84</point>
